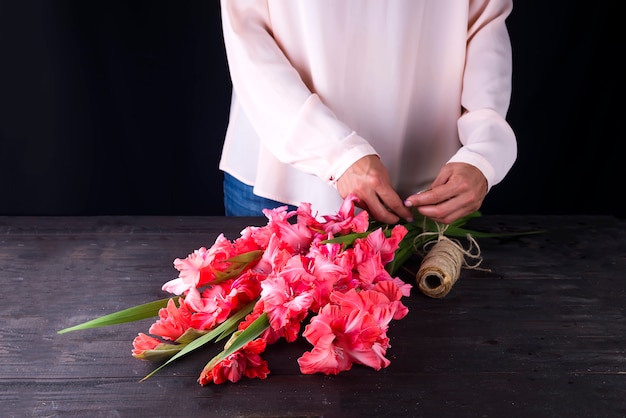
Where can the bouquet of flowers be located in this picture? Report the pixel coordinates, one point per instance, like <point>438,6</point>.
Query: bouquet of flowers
<point>335,272</point>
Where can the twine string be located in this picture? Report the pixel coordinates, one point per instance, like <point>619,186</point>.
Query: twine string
<point>472,252</point>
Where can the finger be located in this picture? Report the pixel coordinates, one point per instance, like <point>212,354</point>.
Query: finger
<point>382,214</point>
<point>378,210</point>
<point>394,204</point>
<point>450,210</point>
<point>432,196</point>
<point>437,215</point>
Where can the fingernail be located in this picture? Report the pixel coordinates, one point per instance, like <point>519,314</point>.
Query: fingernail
<point>408,203</point>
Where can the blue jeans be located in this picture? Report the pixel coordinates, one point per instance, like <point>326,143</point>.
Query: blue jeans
<point>240,201</point>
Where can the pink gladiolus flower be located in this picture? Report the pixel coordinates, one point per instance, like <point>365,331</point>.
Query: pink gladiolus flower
<point>352,329</point>
<point>386,247</point>
<point>368,266</point>
<point>208,309</point>
<point>373,253</point>
<point>199,268</point>
<point>404,288</point>
<point>171,324</point>
<point>344,221</point>
<point>189,272</point>
<point>382,301</point>
<point>259,236</point>
<point>297,236</point>
<point>328,275</point>
<point>247,287</point>
<point>215,304</point>
<point>283,304</point>
<point>143,342</point>
<point>339,340</point>
<point>306,217</point>
<point>275,256</point>
<point>246,243</point>
<point>244,362</point>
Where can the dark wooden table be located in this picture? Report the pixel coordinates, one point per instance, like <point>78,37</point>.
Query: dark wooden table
<point>543,334</point>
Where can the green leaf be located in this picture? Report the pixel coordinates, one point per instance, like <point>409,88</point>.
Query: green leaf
<point>254,330</point>
<point>134,313</point>
<point>423,230</point>
<point>190,335</point>
<point>162,352</point>
<point>241,338</point>
<point>461,232</point>
<point>225,328</point>
<point>347,239</point>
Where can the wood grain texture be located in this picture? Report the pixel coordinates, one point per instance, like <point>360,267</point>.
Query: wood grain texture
<point>543,333</point>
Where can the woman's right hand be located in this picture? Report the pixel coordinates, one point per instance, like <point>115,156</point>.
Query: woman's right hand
<point>368,179</point>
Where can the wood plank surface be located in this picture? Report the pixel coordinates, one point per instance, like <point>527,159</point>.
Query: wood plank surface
<point>541,334</point>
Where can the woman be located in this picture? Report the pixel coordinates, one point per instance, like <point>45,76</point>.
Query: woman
<point>400,102</point>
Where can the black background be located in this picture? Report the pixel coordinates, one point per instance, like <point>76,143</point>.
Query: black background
<point>120,108</point>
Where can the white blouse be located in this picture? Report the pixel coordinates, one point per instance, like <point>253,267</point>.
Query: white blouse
<point>318,84</point>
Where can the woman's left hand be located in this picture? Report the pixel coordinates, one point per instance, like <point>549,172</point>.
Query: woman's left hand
<point>458,190</point>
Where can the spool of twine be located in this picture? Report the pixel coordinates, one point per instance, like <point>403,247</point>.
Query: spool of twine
<point>441,266</point>
<point>440,269</point>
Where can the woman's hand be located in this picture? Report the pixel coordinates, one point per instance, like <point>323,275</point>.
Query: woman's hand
<point>368,179</point>
<point>458,190</point>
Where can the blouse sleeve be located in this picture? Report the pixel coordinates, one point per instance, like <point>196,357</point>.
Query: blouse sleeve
<point>488,141</point>
<point>291,121</point>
